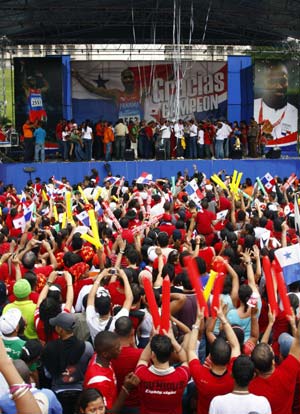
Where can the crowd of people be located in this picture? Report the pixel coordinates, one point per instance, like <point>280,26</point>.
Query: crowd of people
<point>166,140</point>
<point>99,297</point>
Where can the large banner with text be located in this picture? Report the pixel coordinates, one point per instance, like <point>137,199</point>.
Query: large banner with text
<point>131,90</point>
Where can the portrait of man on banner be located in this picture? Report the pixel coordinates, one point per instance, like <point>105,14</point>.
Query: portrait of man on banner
<point>276,91</point>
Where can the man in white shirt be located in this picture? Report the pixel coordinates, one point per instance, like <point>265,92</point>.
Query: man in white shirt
<point>179,132</point>
<point>165,131</point>
<point>240,401</point>
<point>222,133</point>
<point>273,111</point>
<point>103,320</point>
<point>193,139</point>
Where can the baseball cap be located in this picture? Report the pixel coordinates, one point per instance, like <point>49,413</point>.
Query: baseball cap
<point>64,320</point>
<point>31,350</point>
<point>10,320</point>
<point>55,288</point>
<point>285,341</point>
<point>151,253</point>
<point>22,289</point>
<point>177,235</point>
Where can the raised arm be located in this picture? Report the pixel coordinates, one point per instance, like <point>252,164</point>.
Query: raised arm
<point>295,348</point>
<point>93,291</point>
<point>210,326</point>
<point>52,258</point>
<point>70,291</point>
<point>256,254</point>
<point>197,330</point>
<point>246,256</point>
<point>106,93</point>
<point>127,290</point>
<point>271,319</point>
<point>45,290</point>
<point>23,398</point>
<point>254,333</point>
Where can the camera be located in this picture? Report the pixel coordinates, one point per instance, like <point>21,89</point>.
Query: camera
<point>112,271</point>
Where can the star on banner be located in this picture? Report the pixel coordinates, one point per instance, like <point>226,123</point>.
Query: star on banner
<point>287,255</point>
<point>100,82</point>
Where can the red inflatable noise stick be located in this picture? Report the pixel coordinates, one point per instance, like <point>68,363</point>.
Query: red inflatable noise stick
<point>165,305</point>
<point>153,308</point>
<point>281,286</point>
<point>218,289</point>
<point>270,285</point>
<point>193,274</point>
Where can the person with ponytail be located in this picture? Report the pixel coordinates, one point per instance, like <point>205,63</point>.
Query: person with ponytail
<point>249,297</point>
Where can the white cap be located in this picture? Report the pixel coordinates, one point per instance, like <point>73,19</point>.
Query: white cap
<point>9,321</point>
<point>151,253</point>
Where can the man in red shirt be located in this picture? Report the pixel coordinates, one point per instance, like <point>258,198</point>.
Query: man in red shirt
<point>205,221</point>
<point>127,359</point>
<point>276,384</point>
<point>217,380</point>
<point>100,373</point>
<point>162,386</point>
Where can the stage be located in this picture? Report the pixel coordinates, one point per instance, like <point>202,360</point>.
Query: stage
<point>75,171</point>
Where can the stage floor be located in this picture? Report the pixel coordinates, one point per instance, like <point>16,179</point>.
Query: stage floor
<point>75,171</point>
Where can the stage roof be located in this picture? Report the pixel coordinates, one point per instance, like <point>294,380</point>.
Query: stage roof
<point>235,22</point>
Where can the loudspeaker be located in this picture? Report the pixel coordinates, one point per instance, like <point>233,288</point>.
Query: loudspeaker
<point>14,139</point>
<point>274,153</point>
<point>236,154</point>
<point>160,154</point>
<point>129,154</point>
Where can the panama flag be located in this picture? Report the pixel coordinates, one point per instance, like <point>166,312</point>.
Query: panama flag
<point>19,223</point>
<point>112,180</point>
<point>289,260</point>
<point>268,182</point>
<point>194,192</point>
<point>28,211</point>
<point>23,197</point>
<point>144,178</point>
<point>83,217</point>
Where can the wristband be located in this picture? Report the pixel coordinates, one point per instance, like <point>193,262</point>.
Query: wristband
<point>15,387</point>
<point>121,251</point>
<point>49,283</point>
<point>248,263</point>
<point>195,327</point>
<point>20,393</point>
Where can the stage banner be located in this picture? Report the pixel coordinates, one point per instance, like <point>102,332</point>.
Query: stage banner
<point>276,103</point>
<point>112,90</point>
<point>38,91</point>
